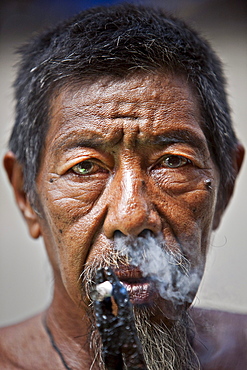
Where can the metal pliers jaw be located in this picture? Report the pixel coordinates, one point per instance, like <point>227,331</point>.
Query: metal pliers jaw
<point>120,343</point>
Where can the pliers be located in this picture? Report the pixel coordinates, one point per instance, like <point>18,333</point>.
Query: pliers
<point>120,343</point>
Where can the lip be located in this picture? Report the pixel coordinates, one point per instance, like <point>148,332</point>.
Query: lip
<point>140,293</point>
<point>140,289</point>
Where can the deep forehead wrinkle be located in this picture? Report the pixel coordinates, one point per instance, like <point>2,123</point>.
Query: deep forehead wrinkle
<point>120,126</point>
<point>117,115</point>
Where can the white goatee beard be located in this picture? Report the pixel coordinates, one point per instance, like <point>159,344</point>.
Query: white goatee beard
<point>163,348</point>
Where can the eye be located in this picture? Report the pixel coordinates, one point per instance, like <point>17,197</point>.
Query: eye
<point>86,168</point>
<point>174,161</point>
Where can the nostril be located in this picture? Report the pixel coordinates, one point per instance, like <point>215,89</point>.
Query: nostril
<point>146,233</point>
<point>143,234</point>
<point>118,234</point>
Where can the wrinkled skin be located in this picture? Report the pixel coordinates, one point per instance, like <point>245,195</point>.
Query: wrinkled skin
<point>128,156</point>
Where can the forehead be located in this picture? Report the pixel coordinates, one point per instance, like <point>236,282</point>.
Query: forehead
<point>148,104</point>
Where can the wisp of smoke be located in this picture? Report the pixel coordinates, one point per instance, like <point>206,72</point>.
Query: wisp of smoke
<point>170,272</point>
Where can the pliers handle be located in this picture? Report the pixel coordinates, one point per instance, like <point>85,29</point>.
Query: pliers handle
<point>120,343</point>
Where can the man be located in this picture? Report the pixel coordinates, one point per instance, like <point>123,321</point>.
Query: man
<point>123,155</point>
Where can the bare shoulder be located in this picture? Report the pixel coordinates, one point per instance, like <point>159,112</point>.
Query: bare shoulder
<point>221,339</point>
<point>222,320</point>
<point>25,346</point>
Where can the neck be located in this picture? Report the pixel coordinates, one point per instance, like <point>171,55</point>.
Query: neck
<point>69,327</point>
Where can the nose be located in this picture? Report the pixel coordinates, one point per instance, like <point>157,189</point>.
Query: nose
<point>130,209</point>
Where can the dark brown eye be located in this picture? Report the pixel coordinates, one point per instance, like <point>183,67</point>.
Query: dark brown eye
<point>85,168</point>
<point>175,161</point>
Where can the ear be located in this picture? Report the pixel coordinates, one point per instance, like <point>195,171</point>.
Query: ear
<point>15,175</point>
<point>237,160</point>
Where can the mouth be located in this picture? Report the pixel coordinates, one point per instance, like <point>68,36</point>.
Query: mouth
<point>141,290</point>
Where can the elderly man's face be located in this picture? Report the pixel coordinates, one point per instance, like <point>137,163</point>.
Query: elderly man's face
<point>125,156</point>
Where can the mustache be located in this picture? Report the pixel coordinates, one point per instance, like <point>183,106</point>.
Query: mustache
<point>149,251</point>
<point>169,271</point>
<point>111,259</point>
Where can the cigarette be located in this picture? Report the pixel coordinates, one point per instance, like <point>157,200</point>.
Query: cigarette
<point>104,290</point>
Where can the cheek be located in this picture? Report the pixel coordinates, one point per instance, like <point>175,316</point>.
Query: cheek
<point>186,191</point>
<point>71,221</point>
<point>74,199</point>
<point>187,210</point>
<point>66,203</point>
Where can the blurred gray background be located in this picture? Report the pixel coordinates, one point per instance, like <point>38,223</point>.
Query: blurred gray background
<point>25,276</point>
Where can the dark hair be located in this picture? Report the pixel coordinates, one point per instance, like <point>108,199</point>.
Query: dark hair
<point>116,41</point>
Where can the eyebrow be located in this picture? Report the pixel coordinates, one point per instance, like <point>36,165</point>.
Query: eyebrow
<point>180,136</point>
<point>171,137</point>
<point>70,141</point>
